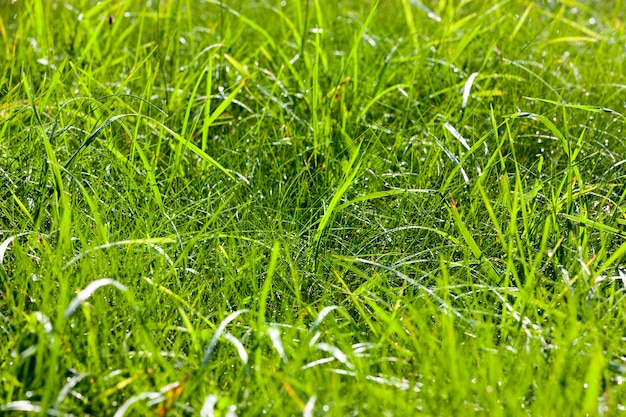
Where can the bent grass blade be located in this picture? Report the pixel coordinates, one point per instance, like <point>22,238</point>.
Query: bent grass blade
<point>88,292</point>
<point>148,241</point>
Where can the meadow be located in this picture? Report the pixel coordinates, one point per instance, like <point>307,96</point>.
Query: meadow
<point>312,207</point>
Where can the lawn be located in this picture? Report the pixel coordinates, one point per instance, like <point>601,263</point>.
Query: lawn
<point>312,207</point>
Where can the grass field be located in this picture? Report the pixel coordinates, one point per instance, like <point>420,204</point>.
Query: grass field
<point>312,208</point>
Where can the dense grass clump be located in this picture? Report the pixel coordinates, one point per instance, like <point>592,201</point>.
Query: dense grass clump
<point>312,207</point>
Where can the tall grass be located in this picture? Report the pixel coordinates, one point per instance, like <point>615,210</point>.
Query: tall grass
<point>311,207</point>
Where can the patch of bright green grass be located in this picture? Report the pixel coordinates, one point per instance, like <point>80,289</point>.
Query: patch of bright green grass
<point>312,208</point>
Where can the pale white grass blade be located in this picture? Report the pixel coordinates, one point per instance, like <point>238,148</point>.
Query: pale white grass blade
<point>71,383</point>
<point>24,406</point>
<point>241,350</point>
<point>45,321</point>
<point>132,400</point>
<point>456,135</point>
<point>88,292</point>
<point>274,335</point>
<point>464,174</point>
<point>321,316</point>
<point>431,15</point>
<point>314,338</point>
<point>402,384</point>
<point>218,333</point>
<point>467,88</point>
<point>318,362</point>
<point>208,406</point>
<point>5,245</point>
<point>360,349</point>
<point>162,252</point>
<point>342,372</point>
<point>454,159</point>
<point>231,411</point>
<point>336,352</point>
<point>308,408</point>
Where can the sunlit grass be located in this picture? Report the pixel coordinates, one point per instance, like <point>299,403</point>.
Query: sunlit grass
<point>312,207</point>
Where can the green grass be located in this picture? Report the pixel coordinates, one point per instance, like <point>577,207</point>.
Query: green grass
<point>312,208</point>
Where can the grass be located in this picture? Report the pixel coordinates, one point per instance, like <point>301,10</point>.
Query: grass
<point>312,208</point>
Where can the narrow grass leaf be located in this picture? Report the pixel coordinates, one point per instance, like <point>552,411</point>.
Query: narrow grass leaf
<point>257,27</point>
<point>320,317</point>
<point>267,285</point>
<point>357,303</point>
<point>208,406</point>
<point>618,255</point>
<point>551,126</point>
<point>495,76</point>
<point>456,134</point>
<point>88,292</point>
<point>571,39</point>
<point>584,107</point>
<point>379,96</point>
<point>162,252</point>
<point>226,102</point>
<point>381,194</point>
<point>28,407</point>
<point>467,89</point>
<point>401,384</point>
<point>592,223</point>
<point>594,381</point>
<point>69,386</point>
<point>241,350</point>
<point>521,21</point>
<point>5,245</point>
<point>336,352</point>
<point>121,412</point>
<point>231,411</point>
<point>177,298</point>
<point>443,304</point>
<point>94,135</point>
<point>147,241</point>
<point>45,321</point>
<point>309,407</point>
<point>274,335</point>
<point>467,236</point>
<point>150,173</point>
<point>471,243</point>
<point>218,334</point>
<point>452,157</point>
<point>431,15</point>
<point>193,148</point>
<point>22,206</point>
<point>318,362</point>
<point>351,173</point>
